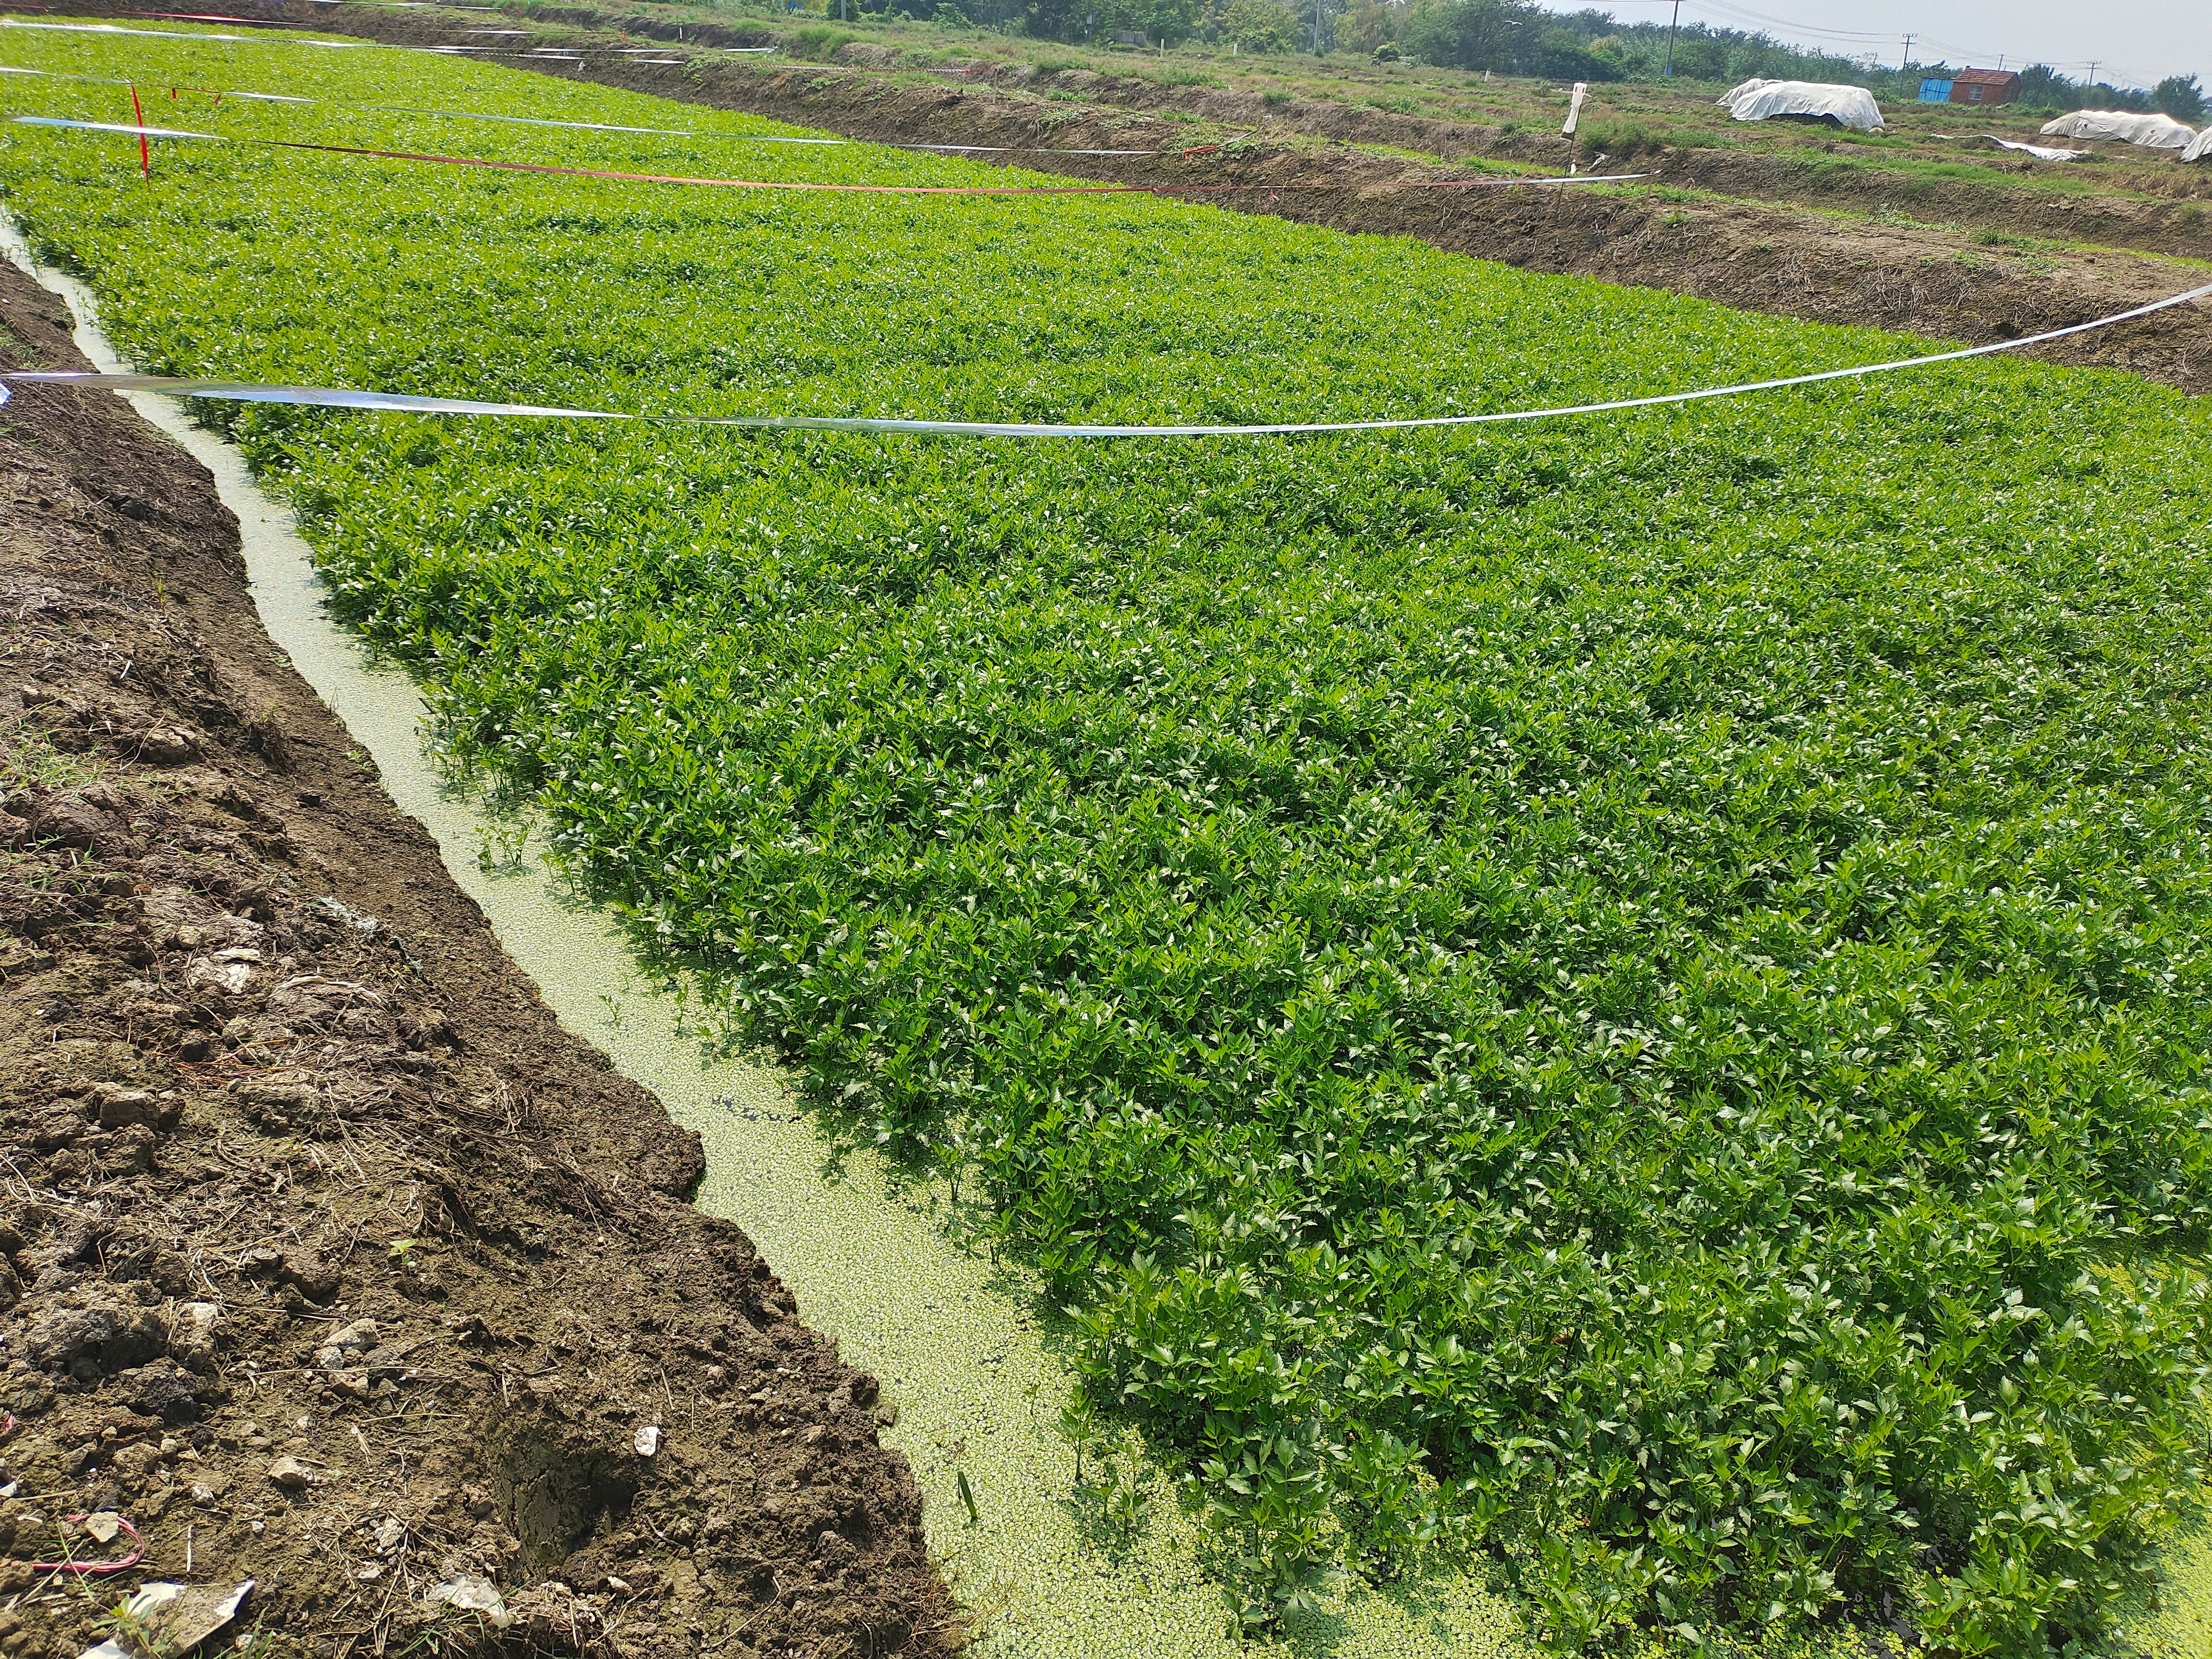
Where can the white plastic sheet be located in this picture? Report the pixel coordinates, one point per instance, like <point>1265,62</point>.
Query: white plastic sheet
<point>2200,147</point>
<point>2122,126</point>
<point>2041,152</point>
<point>1760,101</point>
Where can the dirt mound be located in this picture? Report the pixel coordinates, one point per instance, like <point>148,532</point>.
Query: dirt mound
<point>331,1262</point>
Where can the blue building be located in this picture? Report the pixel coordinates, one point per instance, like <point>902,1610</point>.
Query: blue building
<point>1973,86</point>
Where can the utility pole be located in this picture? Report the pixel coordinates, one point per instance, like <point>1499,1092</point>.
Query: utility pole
<point>1905,62</point>
<point>1670,37</point>
<point>1316,28</point>
<point>2094,62</point>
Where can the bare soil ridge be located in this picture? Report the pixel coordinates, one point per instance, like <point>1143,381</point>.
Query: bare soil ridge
<point>1698,226</point>
<point>2135,198</point>
<point>331,1262</point>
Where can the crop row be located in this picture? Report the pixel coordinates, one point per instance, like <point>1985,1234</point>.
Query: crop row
<point>1634,993</point>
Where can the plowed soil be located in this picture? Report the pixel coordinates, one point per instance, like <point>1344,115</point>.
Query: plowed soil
<point>1848,244</point>
<point>331,1262</point>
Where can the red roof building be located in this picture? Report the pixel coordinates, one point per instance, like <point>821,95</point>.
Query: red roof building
<point>1985,87</point>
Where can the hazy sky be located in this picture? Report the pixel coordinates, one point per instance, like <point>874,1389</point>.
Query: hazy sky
<point>2134,42</point>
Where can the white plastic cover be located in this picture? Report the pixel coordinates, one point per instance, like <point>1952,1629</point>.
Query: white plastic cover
<point>1757,100</point>
<point>2200,148</point>
<point>2041,152</point>
<point>2122,126</point>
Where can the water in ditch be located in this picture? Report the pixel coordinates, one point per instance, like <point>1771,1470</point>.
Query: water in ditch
<point>950,1334</point>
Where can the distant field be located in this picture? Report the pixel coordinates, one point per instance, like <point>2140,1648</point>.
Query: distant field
<point>1632,991</point>
<point>1625,117</point>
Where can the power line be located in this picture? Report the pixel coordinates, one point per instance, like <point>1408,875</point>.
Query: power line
<point>1741,14</point>
<point>1744,14</point>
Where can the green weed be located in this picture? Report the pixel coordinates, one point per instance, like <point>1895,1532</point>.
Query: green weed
<point>501,847</point>
<point>28,759</point>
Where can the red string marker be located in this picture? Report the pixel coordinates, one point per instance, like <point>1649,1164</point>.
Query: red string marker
<point>95,1569</point>
<point>145,155</point>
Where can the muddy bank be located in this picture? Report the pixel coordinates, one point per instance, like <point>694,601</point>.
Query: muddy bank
<point>331,1263</point>
<point>1686,229</point>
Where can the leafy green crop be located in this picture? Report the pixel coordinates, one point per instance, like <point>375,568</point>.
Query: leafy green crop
<point>1633,992</point>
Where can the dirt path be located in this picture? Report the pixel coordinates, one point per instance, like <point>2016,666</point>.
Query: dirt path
<point>331,1262</point>
<point>1686,230</point>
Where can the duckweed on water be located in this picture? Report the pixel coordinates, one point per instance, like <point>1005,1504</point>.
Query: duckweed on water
<point>1635,992</point>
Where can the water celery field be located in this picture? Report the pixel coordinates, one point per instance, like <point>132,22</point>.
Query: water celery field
<point>1633,992</point>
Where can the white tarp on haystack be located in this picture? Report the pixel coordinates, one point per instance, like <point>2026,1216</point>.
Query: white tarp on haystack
<point>1757,100</point>
<point>2200,148</point>
<point>2121,126</point>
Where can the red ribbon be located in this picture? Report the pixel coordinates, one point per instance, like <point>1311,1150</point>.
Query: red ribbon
<point>145,155</point>
<point>543,168</point>
<point>892,190</point>
<point>94,1568</point>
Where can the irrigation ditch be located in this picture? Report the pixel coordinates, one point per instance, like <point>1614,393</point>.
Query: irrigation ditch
<point>335,1264</point>
<point>881,1369</point>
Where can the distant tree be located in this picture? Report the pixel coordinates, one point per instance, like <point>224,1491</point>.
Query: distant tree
<point>1156,19</point>
<point>1370,25</point>
<point>1475,34</point>
<point>1056,20</point>
<point>1519,37</point>
<point>1083,20</point>
<point>1258,25</point>
<point>1565,56</point>
<point>2041,85</point>
<point>1703,54</point>
<point>2180,96</point>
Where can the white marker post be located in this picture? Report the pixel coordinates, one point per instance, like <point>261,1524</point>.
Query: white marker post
<point>1574,117</point>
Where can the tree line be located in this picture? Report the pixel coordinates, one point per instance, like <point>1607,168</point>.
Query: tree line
<point>1518,37</point>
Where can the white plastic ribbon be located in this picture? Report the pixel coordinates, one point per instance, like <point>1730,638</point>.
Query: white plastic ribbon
<point>342,398</point>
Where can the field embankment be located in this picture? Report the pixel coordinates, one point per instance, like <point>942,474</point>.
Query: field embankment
<point>333,1262</point>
